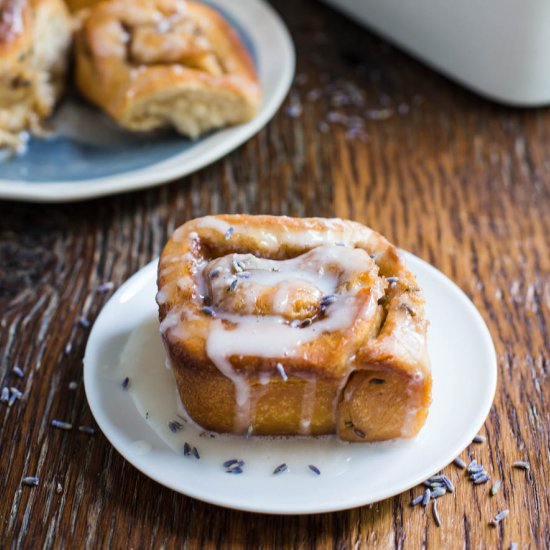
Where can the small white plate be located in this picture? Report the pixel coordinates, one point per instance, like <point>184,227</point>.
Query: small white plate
<point>89,156</point>
<point>464,374</point>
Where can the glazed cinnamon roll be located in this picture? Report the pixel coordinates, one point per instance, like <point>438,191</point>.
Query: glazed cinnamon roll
<point>277,325</point>
<point>34,40</point>
<point>159,63</point>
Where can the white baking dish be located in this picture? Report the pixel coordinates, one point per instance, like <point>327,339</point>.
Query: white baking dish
<point>499,48</point>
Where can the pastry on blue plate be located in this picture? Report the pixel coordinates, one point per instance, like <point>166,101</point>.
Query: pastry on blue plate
<point>35,37</point>
<point>153,64</point>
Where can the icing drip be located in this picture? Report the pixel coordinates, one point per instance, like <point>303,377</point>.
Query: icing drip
<point>269,309</point>
<point>307,405</point>
<point>314,300</point>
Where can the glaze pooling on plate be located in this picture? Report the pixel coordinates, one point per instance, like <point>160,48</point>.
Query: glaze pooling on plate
<point>464,368</point>
<point>153,390</point>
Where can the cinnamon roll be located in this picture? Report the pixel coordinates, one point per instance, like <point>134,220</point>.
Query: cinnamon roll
<point>159,63</point>
<point>277,325</point>
<point>34,41</point>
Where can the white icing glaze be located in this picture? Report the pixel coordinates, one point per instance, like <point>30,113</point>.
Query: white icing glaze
<point>324,271</point>
<point>270,309</point>
<point>216,224</point>
<point>153,391</point>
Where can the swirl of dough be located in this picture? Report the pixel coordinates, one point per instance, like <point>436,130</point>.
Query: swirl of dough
<point>159,63</point>
<point>284,322</point>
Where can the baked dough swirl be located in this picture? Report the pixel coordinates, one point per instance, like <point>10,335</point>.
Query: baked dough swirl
<point>157,63</point>
<point>277,325</point>
<point>35,36</point>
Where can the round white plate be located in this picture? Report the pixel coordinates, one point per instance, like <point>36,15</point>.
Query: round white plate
<point>464,380</point>
<point>88,156</point>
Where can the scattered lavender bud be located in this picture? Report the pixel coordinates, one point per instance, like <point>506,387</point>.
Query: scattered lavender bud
<point>448,484</point>
<point>238,266</point>
<point>484,478</point>
<point>359,433</point>
<point>417,500</point>
<point>5,395</point>
<point>314,469</point>
<point>18,372</point>
<point>196,453</point>
<point>125,383</point>
<point>233,286</point>
<point>229,233</point>
<point>392,280</point>
<point>106,286</point>
<point>68,348</point>
<point>521,465</point>
<point>232,465</point>
<point>496,487</point>
<point>16,393</point>
<point>61,425</point>
<point>84,321</point>
<point>514,546</point>
<point>209,311</point>
<point>73,385</point>
<point>59,488</point>
<point>175,426</point>
<point>499,517</point>
<point>479,439</point>
<point>31,481</point>
<point>294,110</point>
<point>438,492</point>
<point>426,497</point>
<point>327,301</point>
<point>280,469</point>
<point>186,449</point>
<point>436,514</point>
<point>441,480</point>
<point>282,372</point>
<point>459,462</point>
<point>86,430</point>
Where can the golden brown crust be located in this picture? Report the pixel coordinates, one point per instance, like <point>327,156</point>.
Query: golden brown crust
<point>155,63</point>
<point>384,341</point>
<point>34,40</point>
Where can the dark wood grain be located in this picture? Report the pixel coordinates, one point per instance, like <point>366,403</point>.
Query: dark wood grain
<point>461,182</point>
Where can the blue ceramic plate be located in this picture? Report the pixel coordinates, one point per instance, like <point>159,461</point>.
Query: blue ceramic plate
<point>88,155</point>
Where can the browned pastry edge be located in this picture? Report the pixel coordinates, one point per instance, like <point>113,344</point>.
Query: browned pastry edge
<point>123,88</point>
<point>35,37</point>
<point>368,410</point>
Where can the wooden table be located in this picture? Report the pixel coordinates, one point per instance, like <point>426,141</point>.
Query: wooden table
<point>457,180</point>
